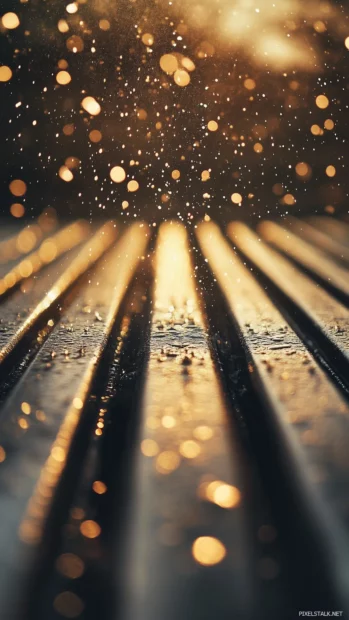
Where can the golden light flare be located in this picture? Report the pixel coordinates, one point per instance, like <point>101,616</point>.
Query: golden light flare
<point>208,551</point>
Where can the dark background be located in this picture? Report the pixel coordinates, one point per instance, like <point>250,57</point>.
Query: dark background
<point>125,77</point>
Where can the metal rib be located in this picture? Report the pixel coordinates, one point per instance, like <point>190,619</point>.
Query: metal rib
<point>311,417</point>
<point>188,514</point>
<point>88,256</point>
<point>336,229</point>
<point>26,239</point>
<point>306,255</point>
<point>317,237</point>
<point>42,414</point>
<point>327,319</point>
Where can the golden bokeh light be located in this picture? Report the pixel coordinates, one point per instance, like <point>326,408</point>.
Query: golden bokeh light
<point>331,171</point>
<point>322,102</point>
<point>212,125</point>
<point>169,63</point>
<point>117,174</point>
<point>17,209</point>
<point>181,77</point>
<point>132,186</point>
<point>90,529</point>
<point>5,73</point>
<point>95,135</point>
<point>148,39</point>
<point>63,78</point>
<point>91,106</point>
<point>208,551</point>
<point>167,462</point>
<point>18,187</point>
<point>10,21</point>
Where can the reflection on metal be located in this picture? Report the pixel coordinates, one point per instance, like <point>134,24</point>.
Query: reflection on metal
<point>311,416</point>
<point>327,315</point>
<point>187,509</point>
<point>319,238</point>
<point>89,254</point>
<point>123,263</point>
<point>40,418</point>
<point>50,249</point>
<point>306,255</point>
<point>28,238</point>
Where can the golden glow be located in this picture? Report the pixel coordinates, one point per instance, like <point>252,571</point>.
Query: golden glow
<point>236,198</point>
<point>208,551</point>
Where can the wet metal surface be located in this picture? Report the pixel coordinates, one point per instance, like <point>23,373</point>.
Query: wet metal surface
<point>145,447</point>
